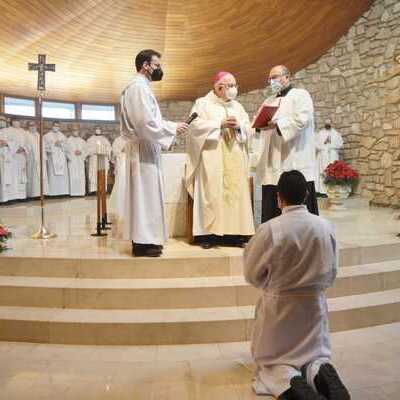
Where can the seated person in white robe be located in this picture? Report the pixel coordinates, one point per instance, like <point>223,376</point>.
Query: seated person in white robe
<point>92,145</point>
<point>77,153</point>
<point>328,143</point>
<point>55,144</point>
<point>293,259</point>
<point>17,153</point>
<point>217,172</point>
<point>8,149</point>
<point>33,170</point>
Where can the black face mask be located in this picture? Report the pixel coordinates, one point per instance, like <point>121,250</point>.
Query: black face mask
<point>327,126</point>
<point>157,74</point>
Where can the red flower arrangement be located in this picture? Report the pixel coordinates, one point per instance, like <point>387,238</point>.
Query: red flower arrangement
<point>5,234</point>
<point>340,173</point>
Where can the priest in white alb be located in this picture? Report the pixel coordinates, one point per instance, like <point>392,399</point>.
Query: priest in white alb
<point>18,150</point>
<point>328,143</point>
<point>55,144</point>
<point>93,144</point>
<point>144,218</point>
<point>8,149</point>
<point>77,153</point>
<point>119,160</point>
<point>217,171</point>
<point>289,141</point>
<point>33,170</point>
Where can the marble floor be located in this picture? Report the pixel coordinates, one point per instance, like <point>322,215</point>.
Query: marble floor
<point>74,220</point>
<point>368,360</point>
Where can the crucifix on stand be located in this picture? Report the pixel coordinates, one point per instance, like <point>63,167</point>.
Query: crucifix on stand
<point>41,67</point>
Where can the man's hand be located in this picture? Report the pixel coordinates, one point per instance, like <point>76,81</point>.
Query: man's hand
<point>181,128</point>
<point>21,151</point>
<point>58,143</point>
<point>3,143</point>
<point>78,152</point>
<point>230,122</point>
<point>270,125</point>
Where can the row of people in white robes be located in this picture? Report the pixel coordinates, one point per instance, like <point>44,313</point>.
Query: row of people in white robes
<point>66,161</point>
<point>63,161</point>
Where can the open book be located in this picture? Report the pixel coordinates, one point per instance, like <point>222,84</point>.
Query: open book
<point>264,116</point>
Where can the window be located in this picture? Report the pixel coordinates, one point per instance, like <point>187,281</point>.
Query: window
<point>53,109</point>
<point>98,112</point>
<point>13,105</point>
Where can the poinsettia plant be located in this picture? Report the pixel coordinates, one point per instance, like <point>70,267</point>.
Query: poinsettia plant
<point>5,234</point>
<point>340,173</point>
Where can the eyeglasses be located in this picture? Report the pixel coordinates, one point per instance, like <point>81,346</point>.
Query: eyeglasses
<point>230,85</point>
<point>155,66</point>
<point>274,77</point>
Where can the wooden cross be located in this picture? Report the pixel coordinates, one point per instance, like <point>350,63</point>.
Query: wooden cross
<point>41,67</point>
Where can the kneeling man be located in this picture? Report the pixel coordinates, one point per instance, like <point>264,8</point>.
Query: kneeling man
<point>293,260</point>
<point>217,174</point>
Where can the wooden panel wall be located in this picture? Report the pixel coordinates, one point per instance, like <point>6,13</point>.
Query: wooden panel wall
<point>93,42</point>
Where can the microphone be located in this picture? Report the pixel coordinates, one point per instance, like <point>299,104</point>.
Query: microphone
<point>192,118</point>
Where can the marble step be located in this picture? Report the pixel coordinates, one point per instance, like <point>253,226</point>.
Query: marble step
<point>179,326</point>
<point>173,293</point>
<point>193,262</point>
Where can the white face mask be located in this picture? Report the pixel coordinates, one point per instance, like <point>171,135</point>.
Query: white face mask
<point>98,132</point>
<point>32,129</point>
<point>276,86</point>
<point>16,124</point>
<point>231,93</point>
<point>56,128</point>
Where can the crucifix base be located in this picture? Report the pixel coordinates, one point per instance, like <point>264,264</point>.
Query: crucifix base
<point>99,232</point>
<point>43,233</point>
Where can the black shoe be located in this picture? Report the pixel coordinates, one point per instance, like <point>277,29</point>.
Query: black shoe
<point>207,245</point>
<point>329,384</point>
<point>145,250</point>
<point>240,244</point>
<point>300,390</point>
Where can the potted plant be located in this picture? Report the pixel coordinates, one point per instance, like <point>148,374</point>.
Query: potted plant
<point>5,234</point>
<point>339,179</point>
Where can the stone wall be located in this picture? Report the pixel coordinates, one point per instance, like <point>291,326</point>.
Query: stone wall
<point>356,84</point>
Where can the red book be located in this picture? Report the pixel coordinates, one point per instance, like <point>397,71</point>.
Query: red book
<point>264,116</point>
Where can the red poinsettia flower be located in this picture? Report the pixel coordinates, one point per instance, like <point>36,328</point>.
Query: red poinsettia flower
<point>340,173</point>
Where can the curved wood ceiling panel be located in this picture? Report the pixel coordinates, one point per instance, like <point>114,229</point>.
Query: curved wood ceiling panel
<point>93,42</point>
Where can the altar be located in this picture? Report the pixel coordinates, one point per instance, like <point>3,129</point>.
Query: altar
<point>175,194</point>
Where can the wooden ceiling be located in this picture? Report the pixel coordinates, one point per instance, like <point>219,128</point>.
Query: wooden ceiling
<point>93,42</point>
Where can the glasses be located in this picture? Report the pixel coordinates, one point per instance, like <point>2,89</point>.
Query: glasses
<point>274,77</point>
<point>230,85</point>
<point>155,66</point>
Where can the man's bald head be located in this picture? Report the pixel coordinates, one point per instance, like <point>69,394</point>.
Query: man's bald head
<point>280,69</point>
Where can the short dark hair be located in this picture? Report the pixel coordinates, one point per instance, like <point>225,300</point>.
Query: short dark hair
<point>143,56</point>
<point>292,187</point>
<point>56,122</point>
